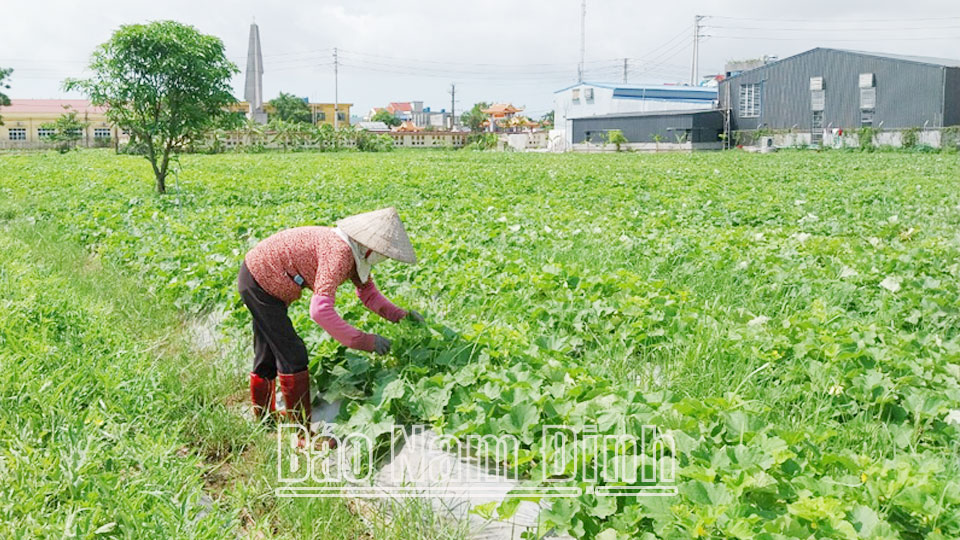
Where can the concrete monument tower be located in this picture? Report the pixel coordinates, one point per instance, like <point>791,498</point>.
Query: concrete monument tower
<point>253,89</point>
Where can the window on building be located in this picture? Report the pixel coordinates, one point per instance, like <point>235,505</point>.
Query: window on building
<point>46,132</point>
<point>866,117</point>
<point>750,105</point>
<point>868,98</point>
<point>818,100</point>
<point>18,134</point>
<point>101,133</point>
<point>576,94</point>
<point>76,132</point>
<point>321,116</point>
<point>341,117</point>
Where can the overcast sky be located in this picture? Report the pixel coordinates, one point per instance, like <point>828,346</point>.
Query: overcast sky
<point>498,50</point>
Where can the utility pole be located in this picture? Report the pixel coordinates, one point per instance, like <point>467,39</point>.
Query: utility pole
<point>453,105</point>
<point>583,38</point>
<point>624,71</point>
<point>336,90</point>
<point>695,68</point>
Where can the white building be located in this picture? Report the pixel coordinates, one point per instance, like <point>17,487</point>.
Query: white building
<point>594,99</point>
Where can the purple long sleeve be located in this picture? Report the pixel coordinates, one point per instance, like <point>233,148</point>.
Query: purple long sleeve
<point>377,303</point>
<point>323,313</point>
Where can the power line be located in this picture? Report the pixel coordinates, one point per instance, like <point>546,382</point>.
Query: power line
<point>807,38</point>
<point>794,29</point>
<point>583,38</point>
<point>829,21</point>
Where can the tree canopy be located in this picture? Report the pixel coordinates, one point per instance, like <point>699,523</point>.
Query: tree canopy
<point>475,117</point>
<point>67,130</point>
<point>164,82</point>
<point>290,108</point>
<point>386,117</point>
<point>4,100</point>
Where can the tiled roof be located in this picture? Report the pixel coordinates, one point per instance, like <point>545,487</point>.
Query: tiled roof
<point>501,108</point>
<point>402,106</point>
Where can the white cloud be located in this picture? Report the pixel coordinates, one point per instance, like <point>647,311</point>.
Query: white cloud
<point>46,41</point>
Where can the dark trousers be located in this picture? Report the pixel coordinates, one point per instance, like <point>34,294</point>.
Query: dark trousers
<point>276,345</point>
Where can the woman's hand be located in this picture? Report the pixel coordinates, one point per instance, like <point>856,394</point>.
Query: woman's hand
<point>381,345</point>
<point>415,316</point>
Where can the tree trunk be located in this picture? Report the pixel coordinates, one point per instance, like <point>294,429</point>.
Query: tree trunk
<point>162,172</point>
<point>157,173</point>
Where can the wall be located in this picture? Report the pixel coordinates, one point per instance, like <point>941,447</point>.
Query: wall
<point>526,141</point>
<point>908,93</point>
<point>850,139</point>
<point>698,127</point>
<point>647,147</point>
<point>951,105</point>
<point>430,139</point>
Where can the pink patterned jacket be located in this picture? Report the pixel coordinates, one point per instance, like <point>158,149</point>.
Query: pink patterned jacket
<point>324,261</point>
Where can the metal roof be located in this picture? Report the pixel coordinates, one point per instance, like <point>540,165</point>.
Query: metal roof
<point>929,60</point>
<point>946,62</point>
<point>634,87</point>
<point>648,114</point>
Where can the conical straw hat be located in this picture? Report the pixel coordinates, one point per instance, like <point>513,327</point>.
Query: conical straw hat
<point>381,231</point>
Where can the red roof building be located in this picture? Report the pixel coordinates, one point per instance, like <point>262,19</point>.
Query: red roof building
<point>400,107</point>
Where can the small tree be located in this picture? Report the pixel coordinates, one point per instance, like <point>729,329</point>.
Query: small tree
<point>547,119</point>
<point>657,139</point>
<point>475,117</point>
<point>290,108</point>
<point>285,133</point>
<point>164,82</point>
<point>386,117</point>
<point>67,130</point>
<point>4,100</point>
<point>616,138</point>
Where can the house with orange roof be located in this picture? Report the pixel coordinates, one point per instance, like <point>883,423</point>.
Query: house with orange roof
<point>501,110</point>
<point>401,109</point>
<point>505,117</point>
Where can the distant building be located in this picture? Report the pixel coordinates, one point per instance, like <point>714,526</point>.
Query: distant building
<point>736,67</point>
<point>253,87</point>
<point>402,110</point>
<point>824,89</point>
<point>504,117</point>
<point>415,112</point>
<point>23,120</point>
<point>590,99</point>
<point>322,113</point>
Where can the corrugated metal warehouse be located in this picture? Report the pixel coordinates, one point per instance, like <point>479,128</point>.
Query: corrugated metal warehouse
<point>823,89</point>
<point>689,126</point>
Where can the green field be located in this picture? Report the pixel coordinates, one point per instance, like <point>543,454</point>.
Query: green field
<point>793,320</point>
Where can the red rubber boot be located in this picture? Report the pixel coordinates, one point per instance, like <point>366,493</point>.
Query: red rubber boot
<point>296,397</point>
<point>263,394</point>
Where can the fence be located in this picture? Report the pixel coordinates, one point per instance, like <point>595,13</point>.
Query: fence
<point>48,145</point>
<point>946,137</point>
